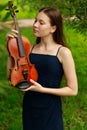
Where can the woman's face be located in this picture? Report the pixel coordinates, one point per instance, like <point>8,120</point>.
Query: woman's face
<point>42,26</point>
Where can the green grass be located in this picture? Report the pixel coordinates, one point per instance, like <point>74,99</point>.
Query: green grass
<point>74,108</point>
<point>10,107</point>
<point>78,45</point>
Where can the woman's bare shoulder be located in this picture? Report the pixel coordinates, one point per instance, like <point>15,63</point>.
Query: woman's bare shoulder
<point>64,53</point>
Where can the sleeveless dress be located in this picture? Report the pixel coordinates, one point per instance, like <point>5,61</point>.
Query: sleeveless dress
<point>44,111</point>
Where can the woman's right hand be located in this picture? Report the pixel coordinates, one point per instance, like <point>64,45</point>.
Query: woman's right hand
<point>12,34</point>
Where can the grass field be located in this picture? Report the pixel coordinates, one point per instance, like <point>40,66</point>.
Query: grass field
<point>74,108</point>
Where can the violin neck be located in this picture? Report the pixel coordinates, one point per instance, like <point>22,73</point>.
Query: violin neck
<point>19,40</point>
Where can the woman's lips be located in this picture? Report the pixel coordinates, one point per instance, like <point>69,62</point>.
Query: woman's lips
<point>35,30</point>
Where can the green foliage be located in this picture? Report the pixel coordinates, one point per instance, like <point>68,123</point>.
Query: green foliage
<point>74,111</point>
<point>24,10</point>
<point>10,107</point>
<point>80,11</point>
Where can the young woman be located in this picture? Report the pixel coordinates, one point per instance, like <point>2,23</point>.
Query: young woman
<point>42,108</point>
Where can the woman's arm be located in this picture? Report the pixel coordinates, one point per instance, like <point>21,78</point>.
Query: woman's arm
<point>71,88</point>
<point>67,61</point>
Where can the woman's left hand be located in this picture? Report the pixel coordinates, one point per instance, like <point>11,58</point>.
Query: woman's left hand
<point>34,87</point>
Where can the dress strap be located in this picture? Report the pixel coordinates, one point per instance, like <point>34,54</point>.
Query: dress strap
<point>32,49</point>
<point>58,50</point>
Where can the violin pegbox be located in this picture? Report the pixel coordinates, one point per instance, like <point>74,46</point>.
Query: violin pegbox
<point>13,9</point>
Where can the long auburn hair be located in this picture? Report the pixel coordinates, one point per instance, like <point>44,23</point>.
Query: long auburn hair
<point>55,19</point>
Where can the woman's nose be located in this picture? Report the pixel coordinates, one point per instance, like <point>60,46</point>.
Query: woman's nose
<point>35,24</point>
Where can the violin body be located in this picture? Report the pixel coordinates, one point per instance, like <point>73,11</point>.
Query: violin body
<point>21,65</point>
<point>19,48</point>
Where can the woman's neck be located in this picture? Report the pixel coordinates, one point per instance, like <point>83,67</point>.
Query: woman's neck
<point>47,43</point>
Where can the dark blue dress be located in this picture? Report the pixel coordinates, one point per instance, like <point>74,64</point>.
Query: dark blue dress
<point>44,111</point>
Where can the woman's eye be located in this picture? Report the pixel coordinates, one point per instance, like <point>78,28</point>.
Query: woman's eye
<point>41,23</point>
<point>35,21</point>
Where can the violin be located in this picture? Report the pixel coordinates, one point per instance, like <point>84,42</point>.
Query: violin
<point>19,48</point>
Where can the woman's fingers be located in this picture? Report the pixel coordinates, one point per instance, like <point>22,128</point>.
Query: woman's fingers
<point>12,34</point>
<point>14,31</point>
<point>34,82</point>
<point>36,87</point>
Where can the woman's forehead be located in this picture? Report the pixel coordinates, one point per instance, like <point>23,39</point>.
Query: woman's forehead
<point>42,16</point>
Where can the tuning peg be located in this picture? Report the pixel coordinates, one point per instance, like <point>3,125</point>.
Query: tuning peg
<point>17,11</point>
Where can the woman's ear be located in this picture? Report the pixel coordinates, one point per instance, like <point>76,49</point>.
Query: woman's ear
<point>53,29</point>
